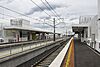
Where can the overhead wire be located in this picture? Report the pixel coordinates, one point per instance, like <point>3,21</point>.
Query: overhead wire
<point>24,14</point>
<point>7,15</point>
<point>16,17</point>
<point>40,8</point>
<point>47,7</point>
<point>44,11</point>
<point>19,13</point>
<point>52,9</point>
<point>54,12</point>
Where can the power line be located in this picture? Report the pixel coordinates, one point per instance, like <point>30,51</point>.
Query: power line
<point>47,7</point>
<point>8,15</point>
<point>40,8</point>
<point>15,17</point>
<point>4,19</point>
<point>52,8</point>
<point>60,23</point>
<point>48,24</point>
<point>18,13</point>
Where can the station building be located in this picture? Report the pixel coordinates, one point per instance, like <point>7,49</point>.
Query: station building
<point>21,30</point>
<point>88,29</point>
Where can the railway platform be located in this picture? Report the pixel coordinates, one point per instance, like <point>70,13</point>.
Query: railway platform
<point>85,56</point>
<point>64,53</point>
<point>77,54</point>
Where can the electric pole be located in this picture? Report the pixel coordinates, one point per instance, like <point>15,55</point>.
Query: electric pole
<point>54,28</point>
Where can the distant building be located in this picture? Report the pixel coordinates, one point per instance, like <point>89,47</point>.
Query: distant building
<point>21,30</point>
<point>99,8</point>
<point>19,22</point>
<point>88,29</point>
<point>85,19</point>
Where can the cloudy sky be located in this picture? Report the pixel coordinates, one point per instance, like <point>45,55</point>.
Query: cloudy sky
<point>68,9</point>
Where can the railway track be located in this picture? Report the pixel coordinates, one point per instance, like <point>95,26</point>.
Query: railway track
<point>47,60</point>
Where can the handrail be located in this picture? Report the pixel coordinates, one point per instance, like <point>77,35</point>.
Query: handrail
<point>11,50</point>
<point>17,44</point>
<point>27,41</point>
<point>59,59</point>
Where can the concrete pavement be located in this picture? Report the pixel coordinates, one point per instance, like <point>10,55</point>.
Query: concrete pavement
<point>84,56</point>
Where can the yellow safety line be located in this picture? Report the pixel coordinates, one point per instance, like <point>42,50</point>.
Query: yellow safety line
<point>69,55</point>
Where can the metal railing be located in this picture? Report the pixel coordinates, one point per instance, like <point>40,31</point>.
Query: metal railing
<point>11,49</point>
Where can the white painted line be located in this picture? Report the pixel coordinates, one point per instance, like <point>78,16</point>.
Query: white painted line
<point>58,60</point>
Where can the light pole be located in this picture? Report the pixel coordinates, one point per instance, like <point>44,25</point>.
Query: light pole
<point>54,28</point>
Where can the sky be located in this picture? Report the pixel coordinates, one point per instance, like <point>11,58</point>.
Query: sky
<point>70,10</point>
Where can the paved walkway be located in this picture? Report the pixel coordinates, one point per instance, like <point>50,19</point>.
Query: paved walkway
<point>84,56</point>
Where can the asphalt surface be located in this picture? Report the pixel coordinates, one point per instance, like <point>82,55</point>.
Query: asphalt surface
<point>84,56</point>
